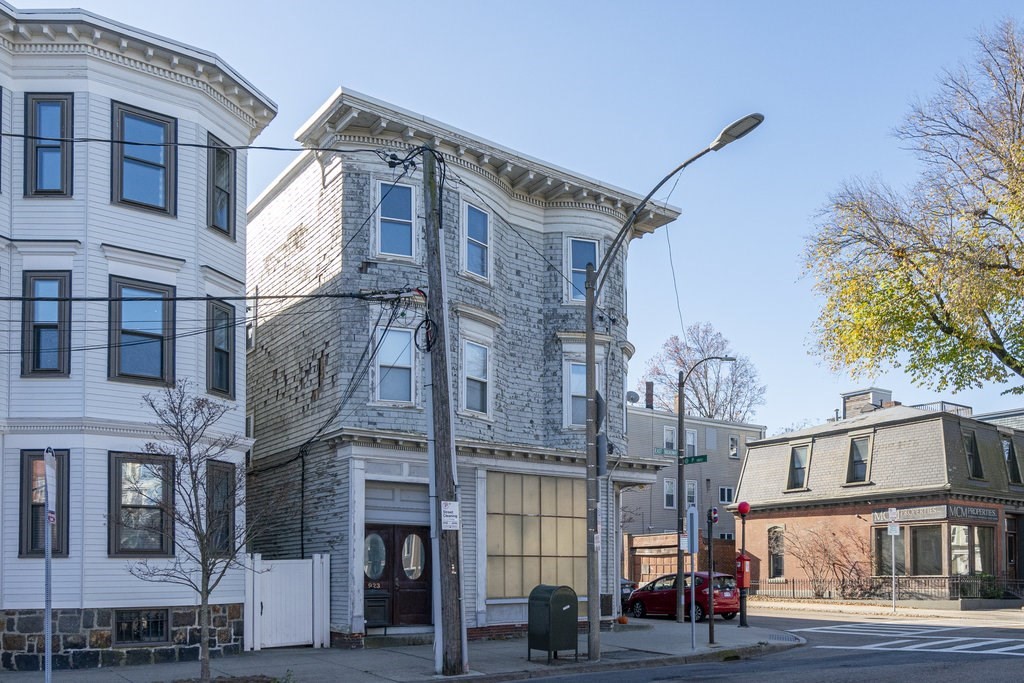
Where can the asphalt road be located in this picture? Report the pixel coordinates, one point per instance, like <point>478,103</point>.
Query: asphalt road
<point>844,648</point>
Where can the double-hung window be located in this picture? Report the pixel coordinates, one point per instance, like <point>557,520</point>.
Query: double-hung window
<point>776,553</point>
<point>476,366</point>
<point>220,507</point>
<point>48,153</point>
<point>581,252</point>
<point>33,505</point>
<point>974,469</point>
<point>857,470</point>
<point>1010,456</point>
<point>725,494</point>
<point>669,435</point>
<point>670,494</point>
<point>141,331</point>
<point>798,460</point>
<point>144,167</point>
<point>394,366</point>
<point>220,348</point>
<point>141,518</point>
<point>395,233</point>
<point>477,242</point>
<point>734,446</point>
<point>220,183</point>
<point>578,394</point>
<point>46,324</point>
<point>691,443</point>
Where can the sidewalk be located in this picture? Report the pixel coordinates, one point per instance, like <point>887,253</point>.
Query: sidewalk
<point>642,641</point>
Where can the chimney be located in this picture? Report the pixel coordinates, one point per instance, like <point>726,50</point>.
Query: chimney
<point>865,400</point>
<point>649,394</point>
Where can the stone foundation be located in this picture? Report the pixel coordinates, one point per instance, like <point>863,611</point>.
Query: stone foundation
<point>83,639</point>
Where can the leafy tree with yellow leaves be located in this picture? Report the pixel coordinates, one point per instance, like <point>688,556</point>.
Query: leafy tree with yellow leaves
<point>932,279</point>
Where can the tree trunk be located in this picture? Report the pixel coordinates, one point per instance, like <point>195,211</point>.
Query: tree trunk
<point>204,630</point>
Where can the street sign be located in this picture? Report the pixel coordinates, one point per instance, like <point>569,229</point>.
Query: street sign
<point>684,542</point>
<point>692,533</point>
<point>665,451</point>
<point>693,459</point>
<point>894,514</point>
<point>449,515</point>
<point>894,529</point>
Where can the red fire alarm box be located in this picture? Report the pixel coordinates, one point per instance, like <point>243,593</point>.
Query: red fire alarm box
<point>743,571</point>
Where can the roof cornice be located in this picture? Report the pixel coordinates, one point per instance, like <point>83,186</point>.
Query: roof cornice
<point>76,31</point>
<point>352,118</point>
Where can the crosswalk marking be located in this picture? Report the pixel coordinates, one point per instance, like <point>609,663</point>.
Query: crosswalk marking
<point>883,629</point>
<point>910,637</point>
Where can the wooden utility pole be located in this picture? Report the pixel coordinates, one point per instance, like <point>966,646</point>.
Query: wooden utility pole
<point>445,501</point>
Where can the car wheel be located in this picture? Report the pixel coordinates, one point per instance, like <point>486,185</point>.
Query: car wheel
<point>638,609</point>
<point>730,615</point>
<point>698,613</point>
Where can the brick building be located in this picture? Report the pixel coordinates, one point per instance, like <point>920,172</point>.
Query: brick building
<point>950,484</point>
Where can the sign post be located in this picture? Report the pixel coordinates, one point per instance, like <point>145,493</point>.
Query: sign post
<point>693,536</point>
<point>50,494</point>
<point>894,531</point>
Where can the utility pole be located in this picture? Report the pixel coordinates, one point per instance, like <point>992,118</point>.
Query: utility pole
<point>445,503</point>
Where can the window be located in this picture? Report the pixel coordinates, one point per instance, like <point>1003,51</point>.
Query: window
<point>1010,455</point>
<point>798,467</point>
<point>220,507</point>
<point>858,467</point>
<point>250,335</point>
<point>973,458</point>
<point>734,446</point>
<point>46,325</point>
<point>578,394</point>
<point>48,155</point>
<point>972,549</point>
<point>220,186</point>
<point>394,360</point>
<point>220,348</point>
<point>726,536</point>
<point>776,553</point>
<point>477,238</point>
<point>144,173</point>
<point>691,443</point>
<point>691,492</point>
<point>670,438</point>
<point>476,367</point>
<point>725,494</point>
<point>249,421</point>
<point>670,494</point>
<point>884,548</point>
<point>581,252</point>
<point>926,550</point>
<point>33,505</point>
<point>140,626</point>
<point>140,503</point>
<point>395,227</point>
<point>536,533</point>
<point>141,331</point>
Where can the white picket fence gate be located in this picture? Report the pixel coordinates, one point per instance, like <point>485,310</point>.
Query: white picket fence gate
<point>288,602</point>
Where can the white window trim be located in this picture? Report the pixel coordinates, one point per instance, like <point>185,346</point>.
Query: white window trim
<point>666,430</point>
<point>690,432</point>
<point>375,398</point>
<point>691,486</point>
<point>737,438</point>
<point>568,289</point>
<point>722,499</point>
<point>464,265</point>
<point>670,487</point>
<point>464,377</point>
<point>379,193</point>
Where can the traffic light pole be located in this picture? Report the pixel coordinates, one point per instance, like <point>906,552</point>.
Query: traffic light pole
<point>711,578</point>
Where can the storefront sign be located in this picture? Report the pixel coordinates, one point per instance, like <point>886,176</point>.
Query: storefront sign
<point>936,512</point>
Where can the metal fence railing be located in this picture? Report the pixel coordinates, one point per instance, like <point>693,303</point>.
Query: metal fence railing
<point>880,588</point>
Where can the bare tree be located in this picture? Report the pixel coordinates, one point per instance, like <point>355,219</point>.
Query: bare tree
<point>720,391</point>
<point>829,558</point>
<point>204,516</point>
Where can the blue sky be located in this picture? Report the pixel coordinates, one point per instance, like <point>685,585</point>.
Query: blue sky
<point>623,92</point>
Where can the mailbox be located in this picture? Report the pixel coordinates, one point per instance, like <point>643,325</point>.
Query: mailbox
<point>553,621</point>
<point>743,571</point>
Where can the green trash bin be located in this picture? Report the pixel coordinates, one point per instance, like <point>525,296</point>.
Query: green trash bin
<point>553,621</point>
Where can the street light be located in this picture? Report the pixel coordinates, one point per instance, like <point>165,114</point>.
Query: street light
<point>681,481</point>
<point>743,508</point>
<point>595,280</point>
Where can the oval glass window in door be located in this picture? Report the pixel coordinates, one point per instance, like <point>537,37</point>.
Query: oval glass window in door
<point>412,556</point>
<point>374,556</point>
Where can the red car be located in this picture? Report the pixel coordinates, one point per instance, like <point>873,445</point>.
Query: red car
<point>659,596</point>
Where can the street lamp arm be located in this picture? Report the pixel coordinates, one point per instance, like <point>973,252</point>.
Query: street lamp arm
<point>724,359</point>
<point>734,131</point>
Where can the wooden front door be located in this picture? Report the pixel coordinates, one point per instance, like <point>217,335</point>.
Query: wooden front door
<point>396,575</point>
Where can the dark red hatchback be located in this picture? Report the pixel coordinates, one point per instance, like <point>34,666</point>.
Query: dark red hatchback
<point>659,596</point>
